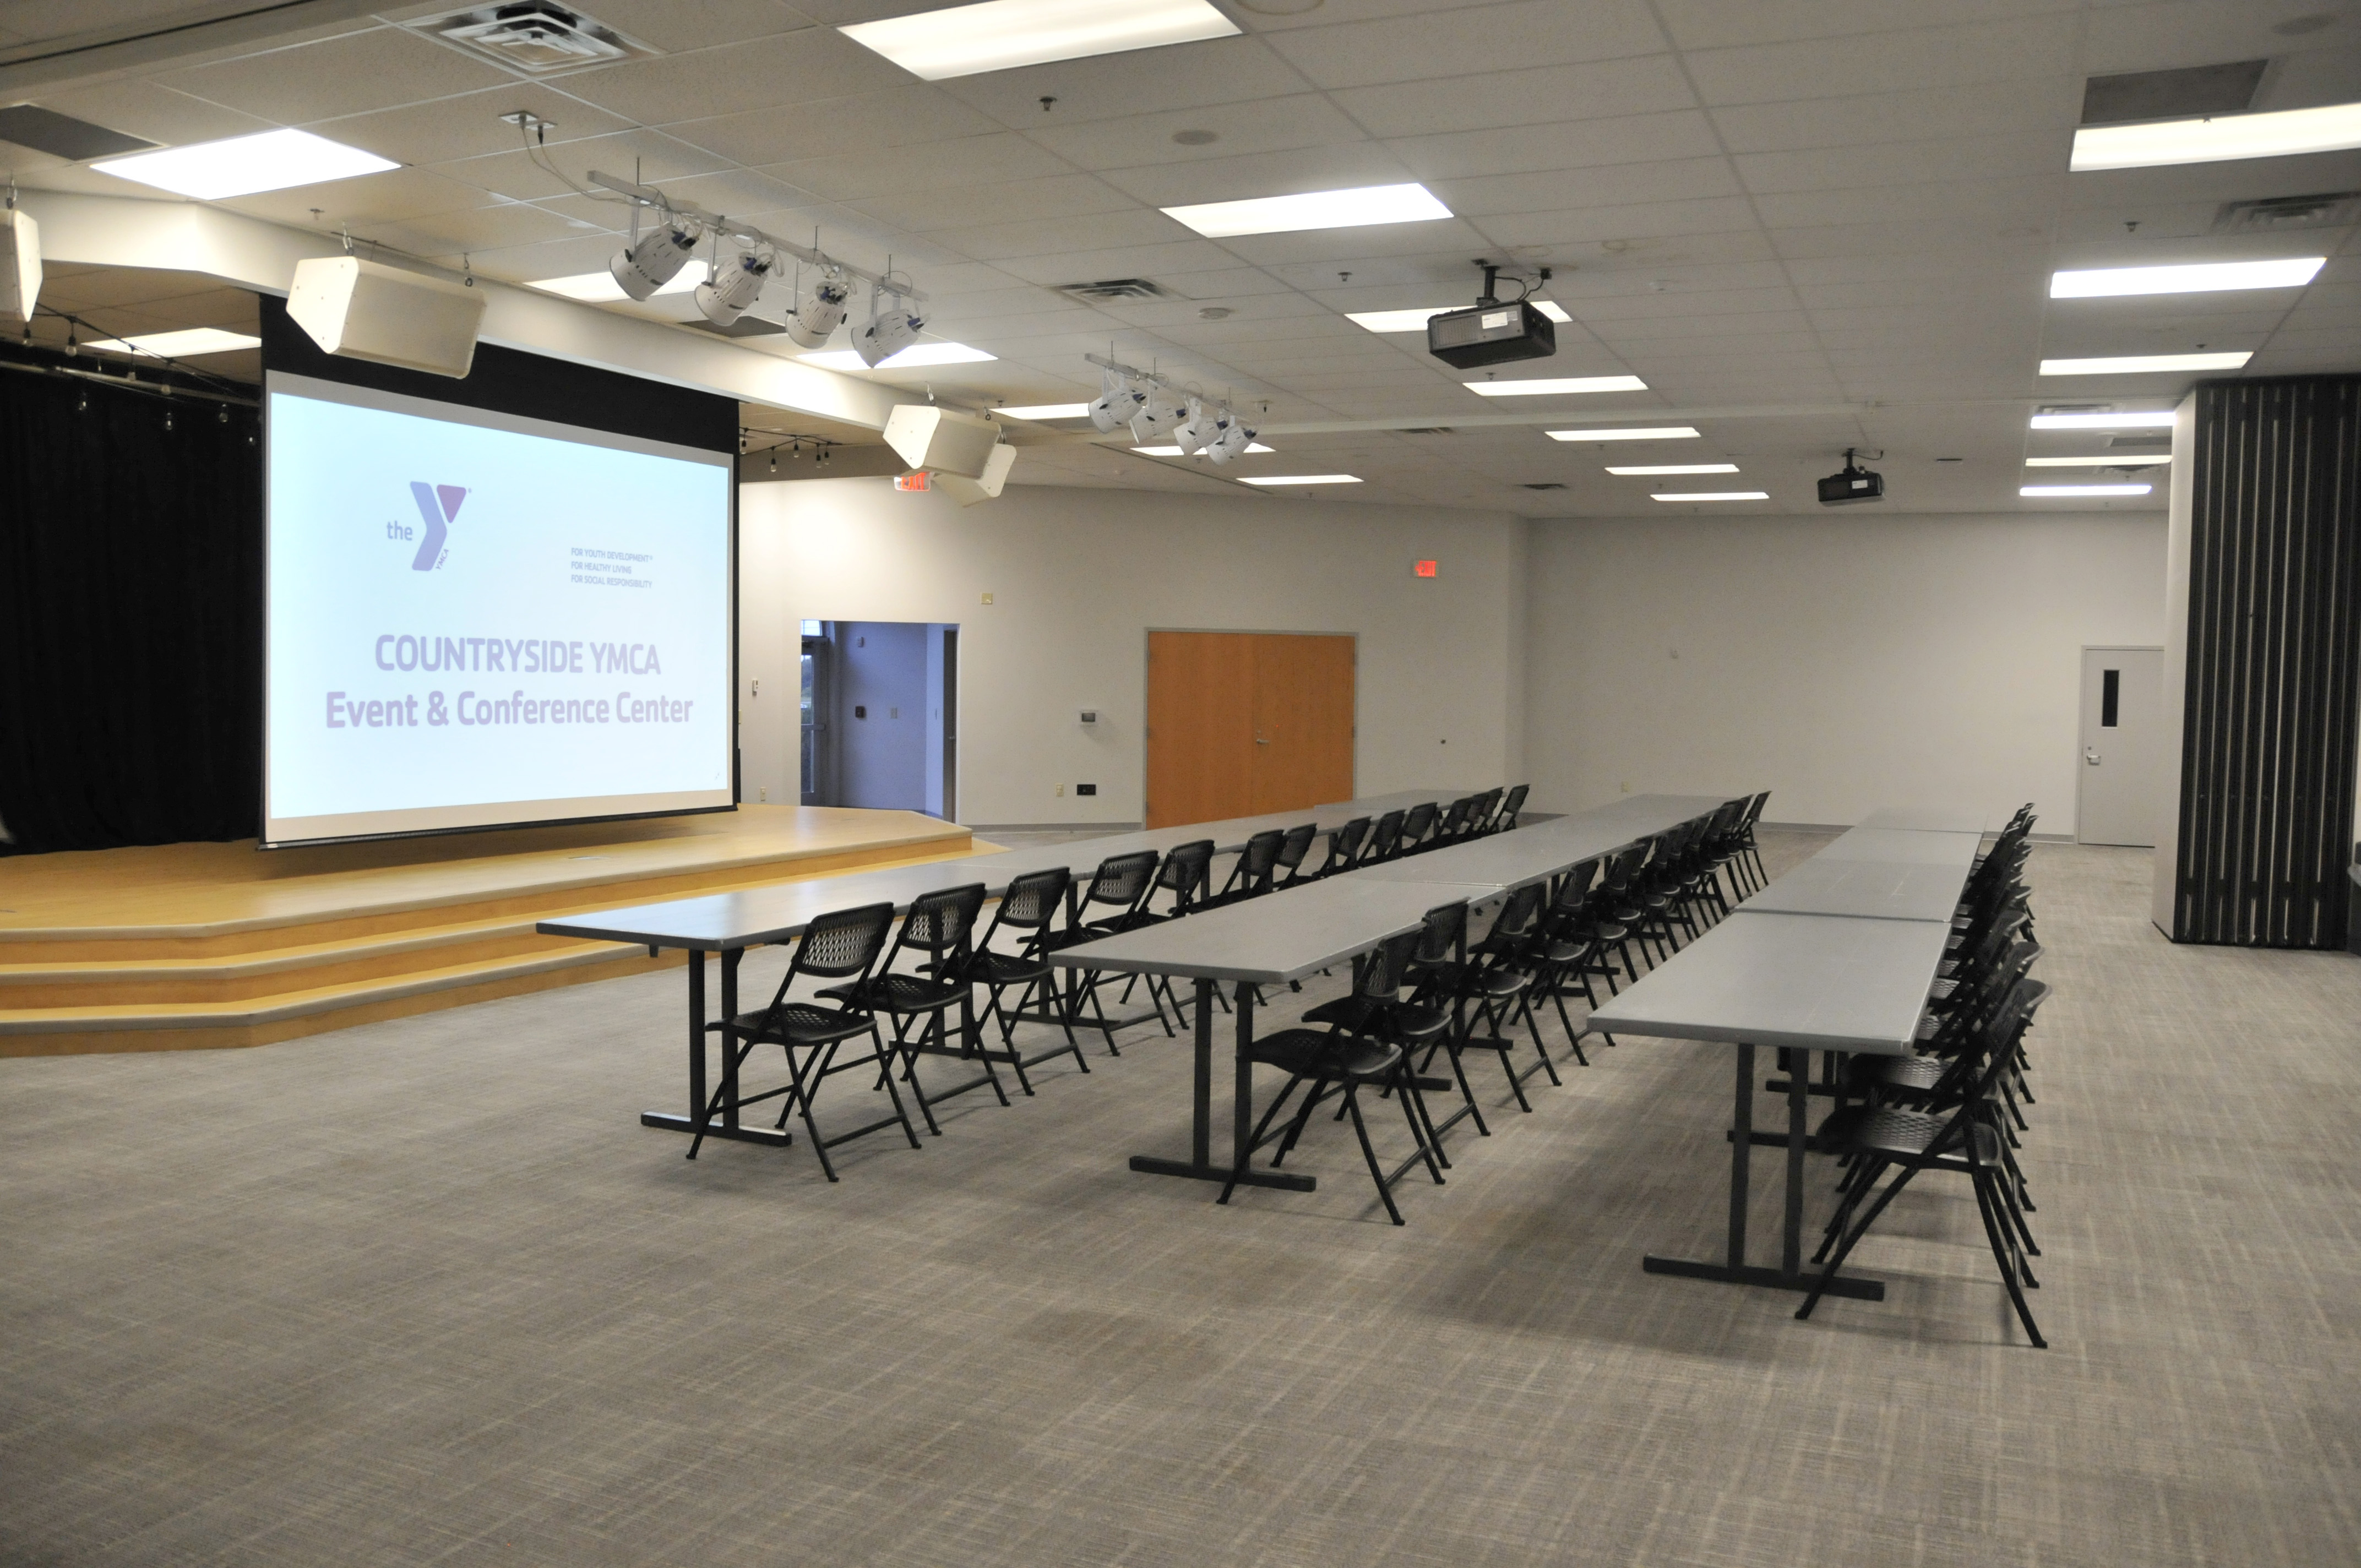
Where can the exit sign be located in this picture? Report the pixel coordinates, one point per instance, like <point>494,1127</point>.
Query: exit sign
<point>1423,568</point>
<point>917,481</point>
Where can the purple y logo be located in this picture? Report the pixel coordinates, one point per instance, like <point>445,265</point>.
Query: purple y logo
<point>439,505</point>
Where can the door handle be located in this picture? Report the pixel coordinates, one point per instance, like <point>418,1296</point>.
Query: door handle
<point>1260,742</point>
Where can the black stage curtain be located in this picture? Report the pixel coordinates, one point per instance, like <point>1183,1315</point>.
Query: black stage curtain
<point>130,617</point>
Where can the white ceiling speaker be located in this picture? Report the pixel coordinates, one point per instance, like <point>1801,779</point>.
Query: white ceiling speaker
<point>740,286</point>
<point>652,261</point>
<point>1231,444</point>
<point>985,486</point>
<point>820,311</point>
<point>362,309</point>
<point>893,325</point>
<point>20,263</point>
<point>944,441</point>
<point>1157,416</point>
<point>1199,430</point>
<point>1117,400</point>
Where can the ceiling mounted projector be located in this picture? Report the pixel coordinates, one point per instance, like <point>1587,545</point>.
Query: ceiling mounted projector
<point>1855,484</point>
<point>653,258</point>
<point>820,311</point>
<point>740,286</point>
<point>1490,332</point>
<point>20,264</point>
<point>890,328</point>
<point>362,309</point>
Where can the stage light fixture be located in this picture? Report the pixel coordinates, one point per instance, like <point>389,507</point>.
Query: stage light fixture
<point>1159,414</point>
<point>893,325</point>
<point>1199,430</point>
<point>741,285</point>
<point>652,260</point>
<point>1117,402</point>
<point>821,310</point>
<point>1235,442</point>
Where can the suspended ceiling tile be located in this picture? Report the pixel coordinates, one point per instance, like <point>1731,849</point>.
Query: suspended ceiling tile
<point>1621,184</point>
<point>1544,95</point>
<point>1271,125</point>
<point>396,193</point>
<point>1444,245</point>
<point>1129,261</point>
<point>902,171</point>
<point>1138,82</point>
<point>1715,24</point>
<point>897,117</point>
<point>1860,171</point>
<point>785,68</point>
<point>469,125</point>
<point>1465,42</point>
<point>1572,144</point>
<point>1649,220</point>
<point>1338,167</point>
<point>1928,57</point>
<point>2052,102</point>
<point>650,157</point>
<point>153,113</point>
<point>1058,236</point>
<point>676,26</point>
<point>1051,196</point>
<point>379,69</point>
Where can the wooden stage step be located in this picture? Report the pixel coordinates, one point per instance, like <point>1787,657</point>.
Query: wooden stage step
<point>209,945</point>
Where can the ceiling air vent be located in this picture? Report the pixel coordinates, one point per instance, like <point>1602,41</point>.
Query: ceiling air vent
<point>2152,439</point>
<point>1116,288</point>
<point>2171,94</point>
<point>1424,430</point>
<point>2277,213</point>
<point>1552,484</point>
<point>534,37</point>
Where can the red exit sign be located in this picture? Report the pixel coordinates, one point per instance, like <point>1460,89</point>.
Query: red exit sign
<point>1423,568</point>
<point>917,481</point>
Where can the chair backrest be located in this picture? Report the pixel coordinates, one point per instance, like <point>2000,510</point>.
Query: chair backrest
<point>1754,812</point>
<point>1123,880</point>
<point>1032,900</point>
<point>1624,868</point>
<point>1296,845</point>
<point>1255,860</point>
<point>1456,819</point>
<point>1382,973</point>
<point>1418,823</point>
<point>1443,929</point>
<point>940,924</point>
<point>1186,871</point>
<point>1524,906</point>
<point>1506,817</point>
<point>844,942</point>
<point>1384,839</point>
<point>1345,843</point>
<point>1574,888</point>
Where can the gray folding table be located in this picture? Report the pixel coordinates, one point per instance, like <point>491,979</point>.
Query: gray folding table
<point>1269,940</point>
<point>1878,890</point>
<point>1806,982</point>
<point>1547,849</point>
<point>1929,818</point>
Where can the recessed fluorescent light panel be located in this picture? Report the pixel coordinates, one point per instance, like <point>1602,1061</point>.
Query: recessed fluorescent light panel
<point>1681,468</point>
<point>1048,411</point>
<point>1308,480</point>
<point>2203,278</point>
<point>1628,432</point>
<point>1712,496</point>
<point>2140,418</point>
<point>1415,321</point>
<point>1563,386</point>
<point>2073,492</point>
<point>267,161</point>
<point>1175,451</point>
<point>917,355</point>
<point>1316,210</point>
<point>183,345</point>
<point>2217,140</point>
<point>1001,35</point>
<point>2109,460</point>
<point>600,288</point>
<point>2145,364</point>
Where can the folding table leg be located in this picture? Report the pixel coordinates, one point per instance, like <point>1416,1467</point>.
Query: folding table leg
<point>1200,1165</point>
<point>697,1120</point>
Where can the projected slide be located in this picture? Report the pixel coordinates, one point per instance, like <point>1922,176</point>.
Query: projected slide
<point>477,619</point>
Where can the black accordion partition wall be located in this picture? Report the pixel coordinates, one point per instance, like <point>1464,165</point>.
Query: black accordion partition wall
<point>2265,656</point>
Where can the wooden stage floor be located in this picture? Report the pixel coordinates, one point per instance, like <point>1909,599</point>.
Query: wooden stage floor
<point>206,945</point>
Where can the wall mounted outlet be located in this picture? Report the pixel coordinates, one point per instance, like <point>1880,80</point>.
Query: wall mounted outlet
<point>765,794</point>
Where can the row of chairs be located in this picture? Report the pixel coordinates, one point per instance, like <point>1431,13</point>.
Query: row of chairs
<point>864,974</point>
<point>1956,1106</point>
<point>1473,998</point>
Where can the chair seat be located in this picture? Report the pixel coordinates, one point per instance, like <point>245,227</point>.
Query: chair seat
<point>898,994</point>
<point>1899,1135</point>
<point>1005,969</point>
<point>1350,1012</point>
<point>1913,1073</point>
<point>1315,1053</point>
<point>799,1023</point>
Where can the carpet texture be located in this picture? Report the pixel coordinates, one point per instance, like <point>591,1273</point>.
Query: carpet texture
<point>424,1292</point>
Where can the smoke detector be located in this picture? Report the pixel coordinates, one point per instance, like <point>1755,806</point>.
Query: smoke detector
<point>534,37</point>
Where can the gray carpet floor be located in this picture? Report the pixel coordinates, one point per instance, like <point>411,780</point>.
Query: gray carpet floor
<point>423,1292</point>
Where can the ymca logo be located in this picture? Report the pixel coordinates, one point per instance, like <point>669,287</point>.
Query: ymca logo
<point>438,505</point>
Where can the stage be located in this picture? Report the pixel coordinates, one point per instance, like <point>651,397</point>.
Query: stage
<point>191,946</point>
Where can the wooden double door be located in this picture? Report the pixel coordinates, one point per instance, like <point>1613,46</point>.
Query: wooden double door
<point>1240,723</point>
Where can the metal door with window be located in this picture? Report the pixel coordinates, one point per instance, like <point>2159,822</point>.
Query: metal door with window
<point>818,737</point>
<point>2120,790</point>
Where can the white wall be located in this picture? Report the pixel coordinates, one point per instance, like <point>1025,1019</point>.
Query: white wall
<point>1842,662</point>
<point>1078,578</point>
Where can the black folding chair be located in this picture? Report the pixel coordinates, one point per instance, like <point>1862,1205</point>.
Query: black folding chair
<point>1120,885</point>
<point>939,928</point>
<point>842,946</point>
<point>1031,905</point>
